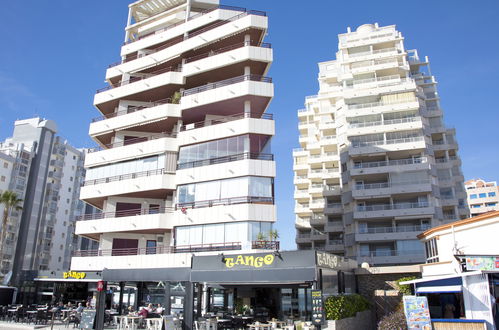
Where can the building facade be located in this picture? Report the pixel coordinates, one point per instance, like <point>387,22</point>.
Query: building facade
<point>46,172</point>
<point>376,165</point>
<point>483,196</point>
<point>184,161</point>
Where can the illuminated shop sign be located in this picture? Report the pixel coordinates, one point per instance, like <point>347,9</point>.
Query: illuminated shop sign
<point>75,275</point>
<point>250,261</point>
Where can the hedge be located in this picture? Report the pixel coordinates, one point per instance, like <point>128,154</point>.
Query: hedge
<point>343,306</point>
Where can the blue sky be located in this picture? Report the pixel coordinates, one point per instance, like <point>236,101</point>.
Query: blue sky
<point>55,53</point>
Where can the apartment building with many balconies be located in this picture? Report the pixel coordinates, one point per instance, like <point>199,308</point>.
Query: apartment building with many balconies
<point>483,196</point>
<point>184,162</point>
<point>377,165</point>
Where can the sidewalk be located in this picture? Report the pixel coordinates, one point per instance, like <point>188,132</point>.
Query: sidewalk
<point>58,325</point>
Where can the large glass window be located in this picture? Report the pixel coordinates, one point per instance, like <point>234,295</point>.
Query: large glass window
<point>253,143</point>
<point>132,166</point>
<point>229,188</point>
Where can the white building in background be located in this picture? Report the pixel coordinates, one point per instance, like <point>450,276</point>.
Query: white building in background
<point>376,165</point>
<point>483,196</point>
<point>184,163</point>
<point>46,172</point>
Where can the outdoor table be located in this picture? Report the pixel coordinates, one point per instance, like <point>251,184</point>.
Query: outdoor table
<point>259,326</point>
<point>277,324</point>
<point>154,323</point>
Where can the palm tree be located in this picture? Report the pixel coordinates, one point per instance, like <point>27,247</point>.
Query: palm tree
<point>273,234</point>
<point>10,202</point>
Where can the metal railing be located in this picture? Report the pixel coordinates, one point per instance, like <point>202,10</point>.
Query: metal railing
<point>395,206</point>
<point>377,104</point>
<point>385,122</point>
<point>358,144</point>
<point>381,185</point>
<point>226,82</point>
<point>225,201</point>
<point>407,161</point>
<point>135,79</point>
<point>132,141</point>
<point>333,205</point>
<point>225,159</point>
<point>225,119</point>
<point>123,177</point>
<point>376,36</point>
<point>180,39</point>
<point>400,229</point>
<point>124,213</point>
<point>391,253</point>
<point>132,110</point>
<point>265,245</point>
<point>335,242</point>
<point>228,48</point>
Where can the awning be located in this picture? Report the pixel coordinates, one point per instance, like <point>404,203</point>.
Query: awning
<point>256,276</point>
<point>49,279</point>
<point>440,289</point>
<point>146,275</point>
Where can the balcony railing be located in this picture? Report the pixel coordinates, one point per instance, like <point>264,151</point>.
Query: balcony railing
<point>225,159</point>
<point>125,213</point>
<point>333,205</point>
<point>376,104</point>
<point>386,207</point>
<point>225,201</point>
<point>179,39</point>
<point>401,229</point>
<point>132,141</point>
<point>358,144</point>
<point>391,253</point>
<point>226,82</point>
<point>346,41</point>
<point>160,250</point>
<point>228,48</point>
<point>226,119</point>
<point>265,245</point>
<point>335,242</point>
<point>135,79</point>
<point>204,12</point>
<point>381,185</point>
<point>123,177</point>
<point>132,110</point>
<point>377,51</point>
<point>407,161</point>
<point>385,122</point>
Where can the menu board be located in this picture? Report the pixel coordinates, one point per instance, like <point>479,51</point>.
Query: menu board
<point>482,263</point>
<point>317,307</point>
<point>417,313</point>
<point>87,319</point>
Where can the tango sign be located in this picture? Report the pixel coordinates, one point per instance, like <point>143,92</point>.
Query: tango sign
<point>75,275</point>
<point>251,261</point>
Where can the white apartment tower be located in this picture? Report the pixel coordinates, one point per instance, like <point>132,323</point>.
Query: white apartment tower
<point>184,162</point>
<point>377,165</point>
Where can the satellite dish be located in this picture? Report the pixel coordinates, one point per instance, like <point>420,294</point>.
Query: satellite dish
<point>7,278</point>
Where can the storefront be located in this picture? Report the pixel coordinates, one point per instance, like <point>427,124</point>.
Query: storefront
<point>268,285</point>
<point>51,287</point>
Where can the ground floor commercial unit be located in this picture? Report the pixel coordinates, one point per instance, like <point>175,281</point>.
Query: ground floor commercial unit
<point>272,284</point>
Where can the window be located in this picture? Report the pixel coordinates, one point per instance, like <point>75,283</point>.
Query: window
<point>475,206</point>
<point>492,194</point>
<point>490,204</point>
<point>71,179</point>
<point>2,178</point>
<point>482,195</point>
<point>69,189</point>
<point>5,165</point>
<point>431,251</point>
<point>473,196</point>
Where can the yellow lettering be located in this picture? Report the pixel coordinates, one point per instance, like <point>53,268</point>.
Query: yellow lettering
<point>229,262</point>
<point>258,262</point>
<point>240,260</point>
<point>268,259</point>
<point>65,275</point>
<point>249,260</point>
<point>83,275</point>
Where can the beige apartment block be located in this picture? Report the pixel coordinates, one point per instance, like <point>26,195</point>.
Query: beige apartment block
<point>377,165</point>
<point>483,196</point>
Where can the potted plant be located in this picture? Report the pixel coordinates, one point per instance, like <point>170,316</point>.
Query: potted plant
<point>274,235</point>
<point>260,236</point>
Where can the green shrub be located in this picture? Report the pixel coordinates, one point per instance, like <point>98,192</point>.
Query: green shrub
<point>343,306</point>
<point>405,289</point>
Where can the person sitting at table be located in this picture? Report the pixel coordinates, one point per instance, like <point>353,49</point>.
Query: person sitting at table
<point>143,312</point>
<point>80,308</point>
<point>129,310</point>
<point>149,308</point>
<point>160,309</point>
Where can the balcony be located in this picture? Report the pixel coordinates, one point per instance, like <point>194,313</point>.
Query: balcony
<point>301,194</point>
<point>375,38</point>
<point>181,44</point>
<point>334,226</point>
<point>331,190</point>
<point>372,65</point>
<point>392,257</point>
<point>303,209</point>
<point>389,233</point>
<point>157,182</point>
<point>134,221</point>
<point>371,127</point>
<point>394,210</point>
<point>333,208</point>
<point>131,149</point>
<point>265,245</point>
<point>390,188</point>
<point>390,51</point>
<point>409,143</point>
<point>157,112</point>
<point>302,238</point>
<point>335,245</point>
<point>362,109</point>
<point>316,235</point>
<point>396,165</point>
<point>259,87</point>
<point>225,159</point>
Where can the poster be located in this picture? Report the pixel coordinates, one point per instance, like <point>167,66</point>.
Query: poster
<point>417,313</point>
<point>482,263</point>
<point>317,307</point>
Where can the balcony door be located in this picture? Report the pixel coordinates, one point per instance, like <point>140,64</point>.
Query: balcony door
<point>125,247</point>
